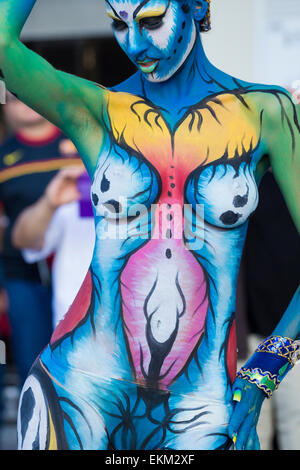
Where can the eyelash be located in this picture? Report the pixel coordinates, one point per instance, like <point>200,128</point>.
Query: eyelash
<point>119,25</point>
<point>151,23</point>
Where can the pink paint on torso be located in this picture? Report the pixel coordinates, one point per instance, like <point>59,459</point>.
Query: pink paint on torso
<point>165,303</point>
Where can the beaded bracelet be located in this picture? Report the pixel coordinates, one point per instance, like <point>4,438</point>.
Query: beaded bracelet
<point>270,363</point>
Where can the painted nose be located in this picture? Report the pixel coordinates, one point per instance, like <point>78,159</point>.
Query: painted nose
<point>136,43</point>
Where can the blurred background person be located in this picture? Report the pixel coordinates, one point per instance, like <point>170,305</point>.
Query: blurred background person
<point>60,223</point>
<point>29,158</point>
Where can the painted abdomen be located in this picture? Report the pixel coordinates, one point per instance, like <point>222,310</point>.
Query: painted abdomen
<point>165,302</point>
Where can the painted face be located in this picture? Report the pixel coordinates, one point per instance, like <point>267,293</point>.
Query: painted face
<point>157,35</point>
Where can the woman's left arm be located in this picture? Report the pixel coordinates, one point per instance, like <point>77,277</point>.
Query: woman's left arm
<point>281,129</point>
<point>263,373</point>
<point>282,134</point>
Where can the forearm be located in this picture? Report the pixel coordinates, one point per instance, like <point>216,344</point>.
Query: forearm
<point>71,103</point>
<point>13,57</point>
<point>278,353</point>
<point>262,375</point>
<point>14,14</point>
<point>30,227</point>
<point>25,73</point>
<point>289,325</point>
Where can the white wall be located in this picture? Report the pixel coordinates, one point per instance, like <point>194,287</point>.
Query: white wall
<point>229,44</point>
<point>256,40</point>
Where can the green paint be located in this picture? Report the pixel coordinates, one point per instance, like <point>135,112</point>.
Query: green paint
<point>283,369</point>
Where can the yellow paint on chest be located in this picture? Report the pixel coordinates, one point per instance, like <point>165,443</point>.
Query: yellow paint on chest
<point>225,126</point>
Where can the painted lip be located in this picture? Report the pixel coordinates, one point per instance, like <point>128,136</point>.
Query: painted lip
<point>148,66</point>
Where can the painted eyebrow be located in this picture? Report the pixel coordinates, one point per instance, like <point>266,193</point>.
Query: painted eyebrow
<point>136,14</point>
<point>115,14</point>
<point>150,13</point>
<point>138,9</point>
<point>114,17</point>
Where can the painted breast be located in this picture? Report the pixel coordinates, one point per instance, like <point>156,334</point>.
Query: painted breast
<point>123,185</point>
<point>226,195</point>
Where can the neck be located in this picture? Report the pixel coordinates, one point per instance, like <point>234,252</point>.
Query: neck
<point>187,82</point>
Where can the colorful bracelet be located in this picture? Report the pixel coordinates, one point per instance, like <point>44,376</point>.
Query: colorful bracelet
<point>270,363</point>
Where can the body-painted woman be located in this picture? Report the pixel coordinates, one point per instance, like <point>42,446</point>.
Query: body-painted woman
<point>145,358</point>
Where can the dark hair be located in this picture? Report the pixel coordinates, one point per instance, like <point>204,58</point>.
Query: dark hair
<point>205,24</point>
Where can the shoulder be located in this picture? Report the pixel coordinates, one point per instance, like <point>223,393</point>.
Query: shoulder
<point>275,104</point>
<point>280,109</point>
<point>264,92</point>
<point>274,107</point>
<point>276,98</point>
<point>256,97</point>
<point>271,99</point>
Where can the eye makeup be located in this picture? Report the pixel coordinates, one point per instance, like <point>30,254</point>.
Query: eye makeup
<point>118,25</point>
<point>151,22</point>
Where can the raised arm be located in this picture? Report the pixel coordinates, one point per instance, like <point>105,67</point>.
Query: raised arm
<point>71,103</point>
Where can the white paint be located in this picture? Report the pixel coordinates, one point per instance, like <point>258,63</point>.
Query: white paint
<point>155,78</point>
<point>38,423</point>
<point>165,302</point>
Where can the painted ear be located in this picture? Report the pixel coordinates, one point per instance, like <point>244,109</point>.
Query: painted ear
<point>200,9</point>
